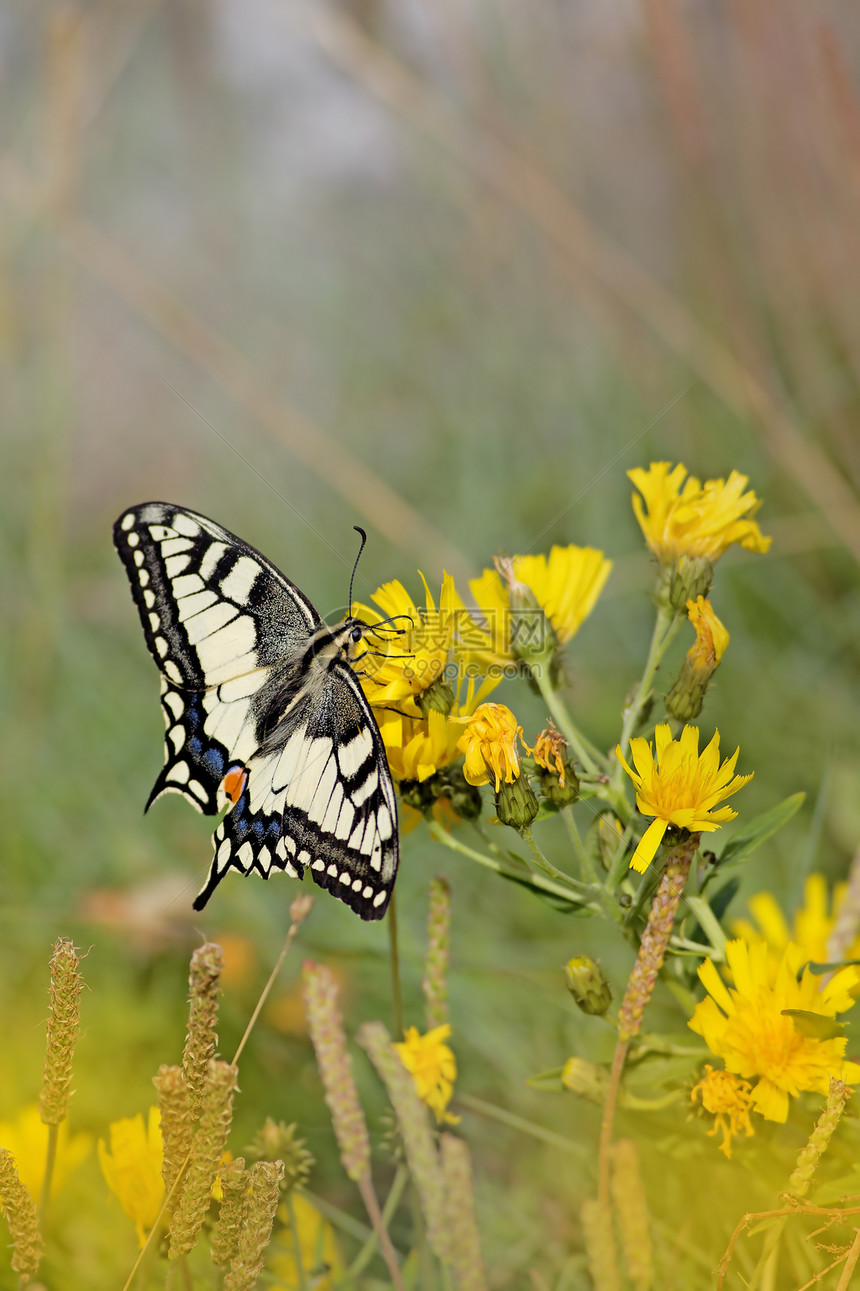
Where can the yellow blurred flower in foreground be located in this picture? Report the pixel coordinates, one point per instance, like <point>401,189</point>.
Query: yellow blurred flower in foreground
<point>728,1099</point>
<point>321,1263</point>
<point>433,1068</point>
<point>680,786</point>
<point>748,1027</point>
<point>697,520</point>
<point>26,1137</point>
<point>563,586</point>
<point>490,745</point>
<point>132,1168</point>
<point>812,925</point>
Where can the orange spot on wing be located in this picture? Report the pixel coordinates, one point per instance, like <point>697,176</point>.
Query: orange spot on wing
<point>234,782</point>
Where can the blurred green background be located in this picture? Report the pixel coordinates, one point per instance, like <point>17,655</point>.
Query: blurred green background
<point>446,272</point>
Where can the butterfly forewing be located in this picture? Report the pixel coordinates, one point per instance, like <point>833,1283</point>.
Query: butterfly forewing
<point>256,720</point>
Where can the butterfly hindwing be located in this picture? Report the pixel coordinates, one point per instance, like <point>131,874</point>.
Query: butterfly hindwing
<point>321,800</point>
<point>262,713</point>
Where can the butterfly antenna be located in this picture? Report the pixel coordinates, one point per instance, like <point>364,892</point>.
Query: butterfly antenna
<point>355,566</point>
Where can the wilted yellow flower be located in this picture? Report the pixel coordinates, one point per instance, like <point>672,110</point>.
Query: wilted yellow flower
<point>26,1137</point>
<point>132,1168</point>
<point>762,1029</point>
<point>563,586</point>
<point>711,636</point>
<point>321,1262</point>
<point>490,745</point>
<point>680,787</point>
<point>549,750</point>
<point>419,656</point>
<point>697,520</point>
<point>433,1068</point>
<point>728,1099</point>
<point>684,700</point>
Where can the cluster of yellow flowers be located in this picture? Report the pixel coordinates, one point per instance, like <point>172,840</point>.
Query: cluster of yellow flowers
<point>443,737</point>
<point>433,709</point>
<point>430,697</point>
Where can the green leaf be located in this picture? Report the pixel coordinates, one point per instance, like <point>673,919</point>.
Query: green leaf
<point>547,1080</point>
<point>564,905</point>
<point>814,1025</point>
<point>745,841</point>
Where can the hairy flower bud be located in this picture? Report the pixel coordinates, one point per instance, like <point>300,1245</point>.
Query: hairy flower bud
<point>516,803</point>
<point>586,1079</point>
<point>587,985</point>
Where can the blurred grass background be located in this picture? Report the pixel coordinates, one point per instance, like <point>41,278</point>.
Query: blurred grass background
<point>446,272</point>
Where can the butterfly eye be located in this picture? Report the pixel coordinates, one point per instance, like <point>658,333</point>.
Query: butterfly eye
<point>356,634</point>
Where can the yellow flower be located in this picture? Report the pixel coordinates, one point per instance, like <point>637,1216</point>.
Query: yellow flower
<point>433,1068</point>
<point>132,1168</point>
<point>419,657</point>
<point>417,748</point>
<point>680,787</point>
<point>490,745</point>
<point>564,586</point>
<point>27,1139</point>
<point>728,1099</point>
<point>321,1262</point>
<point>698,520</point>
<point>812,925</point>
<point>748,1027</point>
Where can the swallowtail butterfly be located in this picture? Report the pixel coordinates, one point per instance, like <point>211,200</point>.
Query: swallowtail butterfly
<point>265,716</point>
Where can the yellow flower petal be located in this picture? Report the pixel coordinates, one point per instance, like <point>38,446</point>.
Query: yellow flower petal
<point>679,786</point>
<point>696,520</point>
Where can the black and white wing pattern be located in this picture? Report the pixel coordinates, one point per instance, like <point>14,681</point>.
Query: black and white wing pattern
<point>264,715</point>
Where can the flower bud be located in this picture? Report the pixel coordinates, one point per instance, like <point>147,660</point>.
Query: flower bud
<point>690,578</point>
<point>586,1079</point>
<point>516,804</point>
<point>587,985</point>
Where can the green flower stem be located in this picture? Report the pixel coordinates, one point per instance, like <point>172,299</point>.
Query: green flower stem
<point>392,1201</point>
<point>588,868</point>
<point>394,959</point>
<point>50,1162</point>
<point>665,627</point>
<point>695,948</point>
<point>608,903</point>
<point>494,1113</point>
<point>338,1218</point>
<point>571,891</point>
<point>620,862</point>
<point>540,860</point>
<point>709,924</point>
<point>589,757</point>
